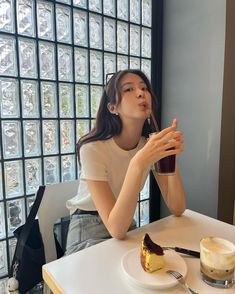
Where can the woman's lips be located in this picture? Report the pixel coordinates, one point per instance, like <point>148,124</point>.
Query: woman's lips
<point>143,106</point>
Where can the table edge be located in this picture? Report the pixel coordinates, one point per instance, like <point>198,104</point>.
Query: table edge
<point>50,282</point>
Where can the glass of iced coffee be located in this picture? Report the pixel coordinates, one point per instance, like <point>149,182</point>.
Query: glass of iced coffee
<point>217,262</point>
<point>166,165</point>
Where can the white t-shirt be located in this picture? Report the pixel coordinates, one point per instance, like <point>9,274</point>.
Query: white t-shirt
<point>102,161</point>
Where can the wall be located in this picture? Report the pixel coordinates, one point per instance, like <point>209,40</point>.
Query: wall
<point>193,67</point>
<point>226,199</point>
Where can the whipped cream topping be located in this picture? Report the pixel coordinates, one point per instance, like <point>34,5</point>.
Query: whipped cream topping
<point>217,253</point>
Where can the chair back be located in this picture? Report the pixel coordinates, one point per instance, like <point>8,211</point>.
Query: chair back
<point>53,207</point>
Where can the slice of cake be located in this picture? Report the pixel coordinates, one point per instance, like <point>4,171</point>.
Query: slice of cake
<point>151,255</point>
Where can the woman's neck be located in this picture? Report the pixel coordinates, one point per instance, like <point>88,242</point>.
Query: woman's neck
<point>129,137</point>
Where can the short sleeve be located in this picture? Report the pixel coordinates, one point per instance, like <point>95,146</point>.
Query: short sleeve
<point>93,165</point>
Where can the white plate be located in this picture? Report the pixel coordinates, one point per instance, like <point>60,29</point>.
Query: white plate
<point>159,279</point>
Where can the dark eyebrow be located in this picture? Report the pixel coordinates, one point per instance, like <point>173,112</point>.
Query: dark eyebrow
<point>130,83</point>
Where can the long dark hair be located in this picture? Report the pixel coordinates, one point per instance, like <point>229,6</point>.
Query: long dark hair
<point>108,125</point>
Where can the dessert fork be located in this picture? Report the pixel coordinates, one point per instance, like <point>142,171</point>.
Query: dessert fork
<point>181,280</point>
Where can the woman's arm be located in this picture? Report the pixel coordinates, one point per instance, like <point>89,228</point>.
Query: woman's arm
<point>172,191</point>
<point>117,215</point>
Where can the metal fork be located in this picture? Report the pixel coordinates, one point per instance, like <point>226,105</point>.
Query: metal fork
<point>181,280</point>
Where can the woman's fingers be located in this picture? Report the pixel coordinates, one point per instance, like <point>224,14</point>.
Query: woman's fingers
<point>172,151</point>
<point>171,144</point>
<point>167,142</point>
<point>168,137</point>
<point>163,139</point>
<point>165,131</point>
<point>178,134</point>
<point>174,123</point>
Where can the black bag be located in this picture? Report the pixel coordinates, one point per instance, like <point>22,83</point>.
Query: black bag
<point>29,253</point>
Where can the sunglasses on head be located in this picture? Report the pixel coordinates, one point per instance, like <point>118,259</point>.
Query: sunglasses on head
<point>108,77</point>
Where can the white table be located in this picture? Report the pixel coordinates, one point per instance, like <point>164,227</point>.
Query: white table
<point>98,269</point>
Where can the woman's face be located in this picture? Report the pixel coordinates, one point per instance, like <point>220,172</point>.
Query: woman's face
<point>136,100</point>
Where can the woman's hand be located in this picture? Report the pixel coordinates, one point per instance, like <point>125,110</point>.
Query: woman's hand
<point>159,145</point>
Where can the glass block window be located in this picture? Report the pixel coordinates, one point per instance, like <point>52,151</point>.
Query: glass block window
<point>54,56</point>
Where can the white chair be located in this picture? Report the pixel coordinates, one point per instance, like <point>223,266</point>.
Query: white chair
<point>52,208</point>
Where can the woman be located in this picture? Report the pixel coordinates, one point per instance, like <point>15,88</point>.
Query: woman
<point>115,158</point>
